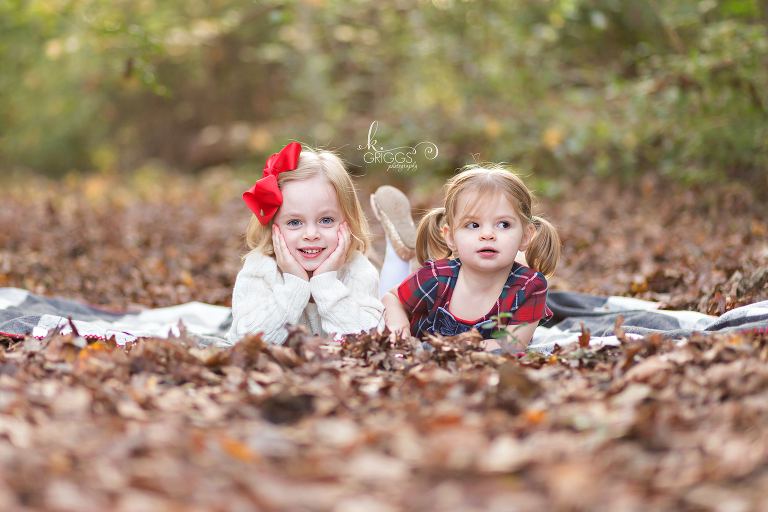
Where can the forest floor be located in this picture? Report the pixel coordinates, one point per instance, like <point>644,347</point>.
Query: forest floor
<point>162,425</point>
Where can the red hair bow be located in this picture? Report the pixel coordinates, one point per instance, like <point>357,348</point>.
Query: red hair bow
<point>264,198</point>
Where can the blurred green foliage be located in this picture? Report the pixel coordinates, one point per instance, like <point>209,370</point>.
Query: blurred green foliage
<point>555,87</point>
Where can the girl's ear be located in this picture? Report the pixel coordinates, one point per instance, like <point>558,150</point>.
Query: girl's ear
<point>527,237</point>
<point>449,238</point>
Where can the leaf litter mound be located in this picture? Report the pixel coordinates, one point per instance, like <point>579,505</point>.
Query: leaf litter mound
<point>368,425</point>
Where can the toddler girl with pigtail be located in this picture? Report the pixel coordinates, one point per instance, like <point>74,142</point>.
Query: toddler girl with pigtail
<point>308,238</point>
<point>468,250</point>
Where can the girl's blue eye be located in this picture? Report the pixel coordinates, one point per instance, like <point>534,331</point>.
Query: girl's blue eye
<point>473,225</point>
<point>326,220</point>
<point>293,223</point>
<point>504,224</point>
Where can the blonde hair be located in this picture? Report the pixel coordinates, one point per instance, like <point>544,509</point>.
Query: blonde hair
<point>542,254</point>
<point>315,162</point>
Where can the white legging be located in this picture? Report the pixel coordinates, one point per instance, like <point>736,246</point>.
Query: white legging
<point>393,270</point>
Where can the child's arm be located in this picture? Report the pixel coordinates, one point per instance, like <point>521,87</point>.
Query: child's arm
<point>527,317</point>
<point>409,299</point>
<point>350,306</point>
<point>522,334</point>
<point>519,334</point>
<point>263,302</point>
<point>395,314</point>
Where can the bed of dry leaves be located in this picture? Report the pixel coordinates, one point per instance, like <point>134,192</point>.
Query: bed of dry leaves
<point>366,426</point>
<point>162,425</point>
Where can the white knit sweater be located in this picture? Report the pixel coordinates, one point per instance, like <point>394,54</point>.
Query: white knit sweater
<point>266,300</point>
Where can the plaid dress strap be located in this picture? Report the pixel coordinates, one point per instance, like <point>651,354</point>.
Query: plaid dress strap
<point>428,289</point>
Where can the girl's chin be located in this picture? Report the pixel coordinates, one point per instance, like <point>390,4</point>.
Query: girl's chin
<point>310,265</point>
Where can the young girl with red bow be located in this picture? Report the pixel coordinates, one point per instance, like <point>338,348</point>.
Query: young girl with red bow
<point>486,220</point>
<point>307,238</point>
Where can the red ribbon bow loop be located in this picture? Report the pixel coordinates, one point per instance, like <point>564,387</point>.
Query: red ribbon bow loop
<point>265,197</point>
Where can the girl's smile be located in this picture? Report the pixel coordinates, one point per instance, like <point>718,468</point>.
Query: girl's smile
<point>311,252</point>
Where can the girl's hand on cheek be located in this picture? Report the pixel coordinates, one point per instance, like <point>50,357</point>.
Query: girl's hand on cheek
<point>285,260</point>
<point>336,258</point>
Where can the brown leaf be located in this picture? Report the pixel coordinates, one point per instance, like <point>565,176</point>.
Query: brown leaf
<point>584,337</point>
<point>284,356</point>
<point>618,331</point>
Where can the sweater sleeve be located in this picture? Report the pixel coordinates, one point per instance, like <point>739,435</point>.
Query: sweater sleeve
<point>349,304</point>
<point>265,300</point>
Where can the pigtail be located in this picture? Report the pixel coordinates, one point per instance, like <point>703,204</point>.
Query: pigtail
<point>430,243</point>
<point>544,251</point>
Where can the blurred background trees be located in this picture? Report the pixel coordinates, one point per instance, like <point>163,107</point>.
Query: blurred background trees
<point>556,87</point>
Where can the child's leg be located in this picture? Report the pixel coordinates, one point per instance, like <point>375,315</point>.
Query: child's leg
<point>393,271</point>
<point>392,208</point>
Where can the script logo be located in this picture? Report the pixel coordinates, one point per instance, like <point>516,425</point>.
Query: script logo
<point>399,159</point>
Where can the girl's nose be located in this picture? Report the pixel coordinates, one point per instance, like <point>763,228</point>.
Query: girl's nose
<point>487,234</point>
<point>311,233</point>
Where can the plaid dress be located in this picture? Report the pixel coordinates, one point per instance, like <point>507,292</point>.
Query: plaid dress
<point>427,293</point>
